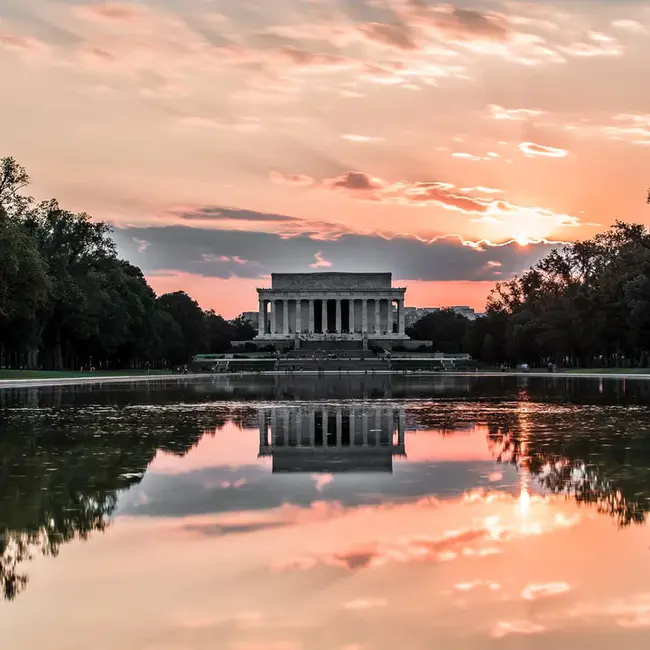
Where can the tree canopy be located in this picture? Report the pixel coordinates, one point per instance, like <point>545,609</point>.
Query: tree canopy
<point>68,301</point>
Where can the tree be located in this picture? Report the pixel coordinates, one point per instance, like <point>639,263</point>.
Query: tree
<point>190,319</point>
<point>445,328</point>
<point>67,300</point>
<point>242,329</point>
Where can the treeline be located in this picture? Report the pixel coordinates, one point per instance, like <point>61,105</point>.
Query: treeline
<point>68,301</point>
<point>584,305</point>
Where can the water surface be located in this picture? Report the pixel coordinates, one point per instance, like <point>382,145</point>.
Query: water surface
<point>346,513</point>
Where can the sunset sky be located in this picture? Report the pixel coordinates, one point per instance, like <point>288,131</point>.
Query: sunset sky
<point>449,143</point>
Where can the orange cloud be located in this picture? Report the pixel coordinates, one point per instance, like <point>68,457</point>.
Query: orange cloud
<point>533,149</point>
<point>291,179</point>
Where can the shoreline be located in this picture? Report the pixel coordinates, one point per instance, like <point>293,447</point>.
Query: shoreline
<point>128,379</point>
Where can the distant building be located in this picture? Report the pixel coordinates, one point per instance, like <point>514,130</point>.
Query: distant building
<point>413,314</point>
<point>252,317</point>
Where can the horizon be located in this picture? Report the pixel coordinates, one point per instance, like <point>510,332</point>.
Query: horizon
<point>457,143</point>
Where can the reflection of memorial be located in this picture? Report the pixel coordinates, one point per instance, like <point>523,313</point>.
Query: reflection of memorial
<point>332,438</point>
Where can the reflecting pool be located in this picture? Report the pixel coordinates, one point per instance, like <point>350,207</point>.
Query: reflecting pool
<point>331,513</point>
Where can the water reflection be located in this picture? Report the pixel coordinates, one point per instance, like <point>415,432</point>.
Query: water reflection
<point>332,438</point>
<point>74,461</point>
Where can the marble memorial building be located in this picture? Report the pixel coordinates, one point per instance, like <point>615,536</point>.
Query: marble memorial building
<point>338,306</point>
<point>325,437</point>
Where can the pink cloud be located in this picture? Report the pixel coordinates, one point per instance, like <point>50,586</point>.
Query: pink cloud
<point>355,181</point>
<point>291,179</point>
<point>398,36</point>
<point>533,149</point>
<point>110,11</point>
<point>460,24</point>
<point>514,114</point>
<point>320,263</point>
<point>307,59</point>
<point>596,44</point>
<point>20,43</point>
<point>353,137</point>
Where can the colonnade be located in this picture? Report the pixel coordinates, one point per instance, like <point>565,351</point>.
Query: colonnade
<point>293,315</point>
<point>328,425</point>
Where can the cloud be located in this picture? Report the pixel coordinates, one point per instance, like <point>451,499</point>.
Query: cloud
<point>397,36</point>
<point>141,244</point>
<point>470,156</point>
<point>627,25</point>
<point>460,24</point>
<point>363,604</point>
<point>306,59</point>
<point>355,181</point>
<point>595,45</point>
<point>514,114</point>
<point>216,213</point>
<point>353,137</point>
<point>291,179</point>
<point>21,44</point>
<point>111,12</point>
<point>546,590</point>
<point>533,149</point>
<point>180,249</point>
<point>506,628</point>
<point>321,262</point>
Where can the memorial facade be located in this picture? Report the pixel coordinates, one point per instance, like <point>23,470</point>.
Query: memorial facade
<point>322,437</point>
<point>344,306</point>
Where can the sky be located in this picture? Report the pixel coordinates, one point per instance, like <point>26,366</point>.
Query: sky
<point>453,144</point>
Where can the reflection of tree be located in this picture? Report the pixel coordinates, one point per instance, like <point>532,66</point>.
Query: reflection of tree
<point>64,460</point>
<point>598,456</point>
<point>61,473</point>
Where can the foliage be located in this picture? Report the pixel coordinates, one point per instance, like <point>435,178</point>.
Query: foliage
<point>584,305</point>
<point>68,301</point>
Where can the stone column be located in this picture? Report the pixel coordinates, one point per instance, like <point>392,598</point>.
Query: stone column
<point>324,421</point>
<point>311,316</point>
<point>364,315</point>
<point>364,426</point>
<point>298,316</point>
<point>312,423</point>
<point>338,315</point>
<point>351,316</point>
<point>285,316</point>
<point>389,317</point>
<point>377,316</point>
<point>261,329</point>
<point>274,320</point>
<point>285,421</point>
<point>352,423</point>
<point>263,430</point>
<point>324,316</point>
<point>377,427</point>
<point>274,426</point>
<point>339,427</point>
<point>401,315</point>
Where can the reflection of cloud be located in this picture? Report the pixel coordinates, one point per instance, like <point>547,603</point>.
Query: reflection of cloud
<point>535,591</point>
<point>533,149</point>
<point>505,628</point>
<point>365,603</point>
<point>469,542</point>
<point>322,480</point>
